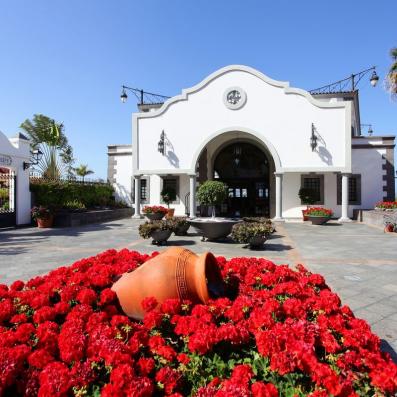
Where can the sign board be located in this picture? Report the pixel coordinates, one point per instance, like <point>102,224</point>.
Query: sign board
<point>5,160</point>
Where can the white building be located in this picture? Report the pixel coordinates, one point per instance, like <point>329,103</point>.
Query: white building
<point>254,133</point>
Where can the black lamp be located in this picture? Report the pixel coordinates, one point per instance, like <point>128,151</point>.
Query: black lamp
<point>123,96</point>
<point>161,144</point>
<point>374,79</point>
<point>313,139</point>
<point>35,158</point>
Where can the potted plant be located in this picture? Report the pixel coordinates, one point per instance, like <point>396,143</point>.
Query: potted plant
<point>254,234</point>
<point>160,231</point>
<point>168,195</point>
<point>180,225</point>
<point>260,219</point>
<point>212,193</point>
<point>43,216</point>
<point>154,212</point>
<point>308,197</point>
<point>319,215</point>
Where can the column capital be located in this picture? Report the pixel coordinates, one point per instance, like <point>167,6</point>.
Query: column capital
<point>278,173</point>
<point>345,173</point>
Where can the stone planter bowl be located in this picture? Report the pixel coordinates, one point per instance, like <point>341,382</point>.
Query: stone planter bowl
<point>318,220</point>
<point>257,241</point>
<point>213,228</point>
<point>182,230</point>
<point>160,236</point>
<point>155,216</point>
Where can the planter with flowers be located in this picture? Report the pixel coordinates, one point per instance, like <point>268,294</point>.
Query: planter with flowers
<point>386,206</point>
<point>254,234</point>
<point>180,225</point>
<point>159,230</point>
<point>154,212</point>
<point>319,215</point>
<point>43,216</point>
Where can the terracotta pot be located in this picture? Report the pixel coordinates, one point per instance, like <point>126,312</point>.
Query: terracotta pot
<point>389,228</point>
<point>176,273</point>
<point>156,216</point>
<point>305,218</point>
<point>45,222</point>
<point>170,213</point>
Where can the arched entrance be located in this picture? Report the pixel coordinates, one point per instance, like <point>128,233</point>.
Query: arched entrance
<point>245,169</point>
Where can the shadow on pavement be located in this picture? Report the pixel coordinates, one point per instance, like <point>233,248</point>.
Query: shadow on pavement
<point>386,347</point>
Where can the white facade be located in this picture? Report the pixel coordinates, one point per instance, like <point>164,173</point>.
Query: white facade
<point>13,153</point>
<point>241,106</point>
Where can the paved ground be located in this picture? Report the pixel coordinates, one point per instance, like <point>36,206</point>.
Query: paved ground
<point>359,262</point>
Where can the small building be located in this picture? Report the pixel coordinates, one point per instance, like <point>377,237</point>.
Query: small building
<point>261,137</point>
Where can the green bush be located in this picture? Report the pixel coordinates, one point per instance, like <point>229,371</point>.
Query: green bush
<point>212,193</point>
<point>244,231</point>
<point>57,193</point>
<point>146,229</point>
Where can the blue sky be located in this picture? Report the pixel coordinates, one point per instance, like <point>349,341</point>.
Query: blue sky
<point>68,59</point>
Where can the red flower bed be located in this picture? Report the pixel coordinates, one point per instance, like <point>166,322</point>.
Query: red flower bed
<point>386,205</point>
<point>154,209</point>
<point>284,333</point>
<point>318,211</point>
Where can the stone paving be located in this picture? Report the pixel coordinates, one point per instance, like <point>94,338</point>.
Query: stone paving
<point>359,262</point>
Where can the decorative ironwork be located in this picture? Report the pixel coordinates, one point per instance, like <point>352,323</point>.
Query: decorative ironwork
<point>35,158</point>
<point>348,84</point>
<point>313,138</point>
<point>370,130</point>
<point>161,144</point>
<point>143,97</point>
<point>7,199</point>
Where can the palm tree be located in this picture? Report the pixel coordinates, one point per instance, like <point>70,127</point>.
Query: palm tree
<point>82,170</point>
<point>391,79</point>
<point>48,135</point>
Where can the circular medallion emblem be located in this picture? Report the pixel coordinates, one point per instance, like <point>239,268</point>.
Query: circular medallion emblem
<point>234,98</point>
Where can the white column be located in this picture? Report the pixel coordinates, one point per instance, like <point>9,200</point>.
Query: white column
<point>345,199</point>
<point>279,197</point>
<point>137,196</point>
<point>192,198</point>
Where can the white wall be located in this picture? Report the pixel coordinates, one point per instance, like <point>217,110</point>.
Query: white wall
<point>368,163</point>
<point>277,114</point>
<point>123,178</point>
<point>19,151</point>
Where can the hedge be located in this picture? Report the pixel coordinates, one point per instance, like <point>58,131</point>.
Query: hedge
<point>57,193</point>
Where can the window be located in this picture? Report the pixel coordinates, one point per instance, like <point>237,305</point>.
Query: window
<point>171,182</point>
<point>316,183</point>
<point>354,189</point>
<point>145,190</point>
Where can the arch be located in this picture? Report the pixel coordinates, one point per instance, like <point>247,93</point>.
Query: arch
<point>267,145</point>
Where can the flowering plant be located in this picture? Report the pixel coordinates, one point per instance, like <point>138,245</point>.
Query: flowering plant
<point>386,205</point>
<point>154,209</point>
<point>280,332</point>
<point>243,232</point>
<point>40,212</point>
<point>318,211</point>
<point>146,229</point>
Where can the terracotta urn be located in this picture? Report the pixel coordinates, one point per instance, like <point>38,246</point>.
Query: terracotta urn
<point>176,273</point>
<point>170,213</point>
<point>45,222</point>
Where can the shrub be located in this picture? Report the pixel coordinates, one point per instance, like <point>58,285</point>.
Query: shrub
<point>307,196</point>
<point>168,195</point>
<point>245,231</point>
<point>56,193</point>
<point>74,205</point>
<point>318,211</point>
<point>212,193</point>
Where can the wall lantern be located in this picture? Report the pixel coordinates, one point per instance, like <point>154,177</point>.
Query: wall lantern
<point>374,79</point>
<point>237,154</point>
<point>313,139</point>
<point>123,96</point>
<point>370,130</point>
<point>36,156</point>
<point>161,144</point>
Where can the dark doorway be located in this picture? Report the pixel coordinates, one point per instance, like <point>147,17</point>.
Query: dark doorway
<point>7,198</point>
<point>245,170</point>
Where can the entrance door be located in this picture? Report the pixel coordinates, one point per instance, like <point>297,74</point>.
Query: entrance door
<point>244,168</point>
<point>247,198</point>
<point>7,200</point>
